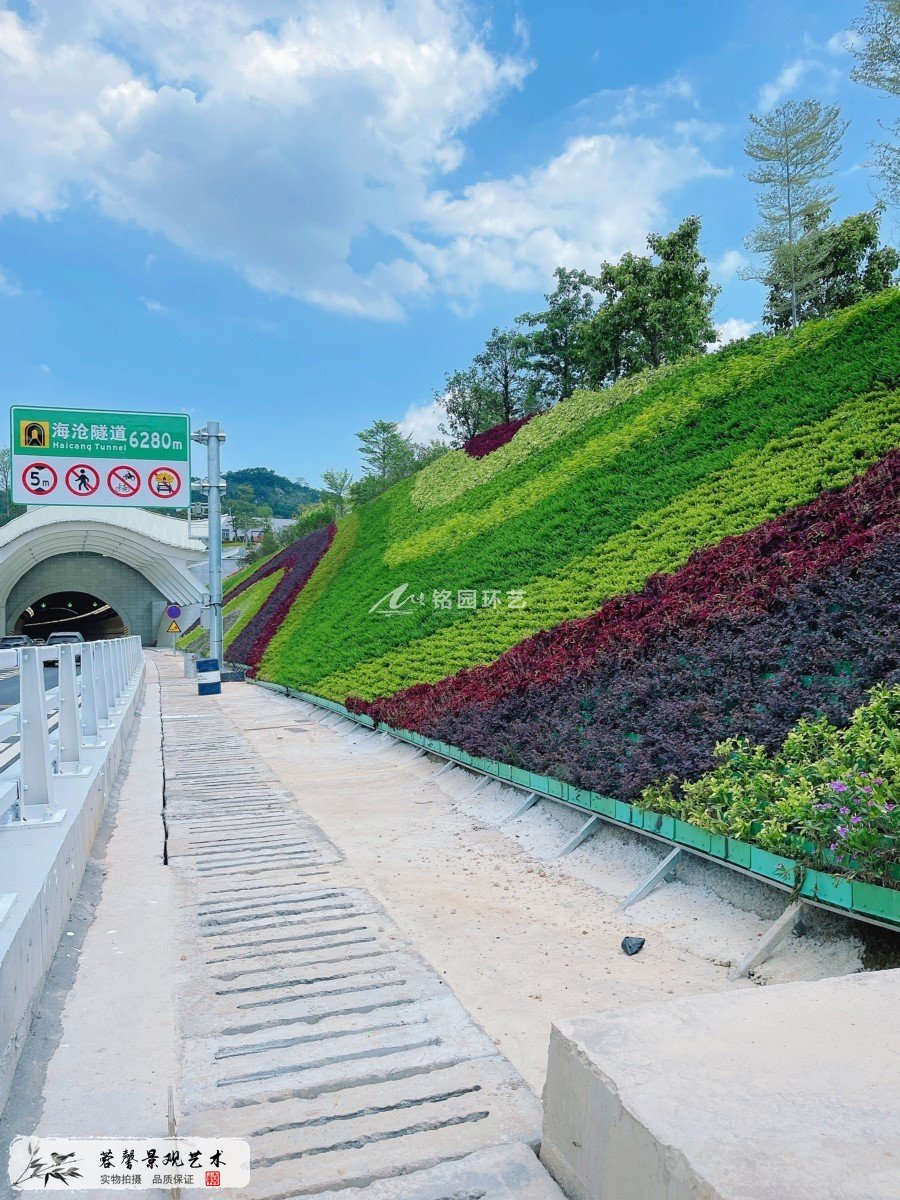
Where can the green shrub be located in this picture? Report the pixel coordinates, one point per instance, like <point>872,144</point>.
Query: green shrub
<point>830,798</point>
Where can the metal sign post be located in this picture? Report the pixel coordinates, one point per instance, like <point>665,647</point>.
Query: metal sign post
<point>120,459</point>
<point>213,486</point>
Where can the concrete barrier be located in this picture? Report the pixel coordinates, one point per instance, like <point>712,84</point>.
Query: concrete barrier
<point>789,1092</point>
<point>42,868</point>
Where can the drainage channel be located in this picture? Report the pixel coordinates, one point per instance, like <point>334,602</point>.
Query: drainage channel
<point>309,1026</point>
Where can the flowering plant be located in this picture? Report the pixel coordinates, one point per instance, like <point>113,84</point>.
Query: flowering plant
<point>830,798</point>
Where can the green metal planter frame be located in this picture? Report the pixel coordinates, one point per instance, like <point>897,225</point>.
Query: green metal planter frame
<point>864,901</point>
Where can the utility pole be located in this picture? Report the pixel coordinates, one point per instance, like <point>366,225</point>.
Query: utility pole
<point>213,486</point>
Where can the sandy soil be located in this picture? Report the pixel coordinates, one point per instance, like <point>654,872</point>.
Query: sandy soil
<point>522,940</point>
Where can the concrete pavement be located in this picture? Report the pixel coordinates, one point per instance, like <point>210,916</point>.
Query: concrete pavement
<point>268,989</point>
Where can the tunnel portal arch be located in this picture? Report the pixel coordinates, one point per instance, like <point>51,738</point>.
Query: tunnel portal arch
<point>120,586</point>
<point>137,561</point>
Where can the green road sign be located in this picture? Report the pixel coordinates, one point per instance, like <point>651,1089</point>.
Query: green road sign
<point>87,456</point>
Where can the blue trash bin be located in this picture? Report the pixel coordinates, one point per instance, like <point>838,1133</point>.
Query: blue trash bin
<point>209,677</point>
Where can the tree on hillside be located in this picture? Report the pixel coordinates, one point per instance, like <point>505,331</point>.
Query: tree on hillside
<point>654,309</point>
<point>878,66</point>
<point>5,478</point>
<point>839,264</point>
<point>241,507</point>
<point>502,367</point>
<point>337,487</point>
<point>470,404</point>
<point>386,453</point>
<point>795,148</point>
<point>268,487</point>
<point>427,452</point>
<point>553,349</point>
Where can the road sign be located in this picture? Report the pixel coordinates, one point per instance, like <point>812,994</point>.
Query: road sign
<point>123,481</point>
<point>73,456</point>
<point>82,479</point>
<point>164,482</point>
<point>174,627</point>
<point>38,480</point>
<point>174,611</point>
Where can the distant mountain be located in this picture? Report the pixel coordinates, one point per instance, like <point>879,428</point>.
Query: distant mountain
<point>284,495</point>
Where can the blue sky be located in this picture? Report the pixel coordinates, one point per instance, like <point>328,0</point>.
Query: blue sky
<point>296,215</point>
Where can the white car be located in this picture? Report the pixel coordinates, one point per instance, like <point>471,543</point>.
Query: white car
<point>70,636</point>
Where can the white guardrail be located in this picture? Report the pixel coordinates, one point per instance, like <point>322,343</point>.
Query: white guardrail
<point>44,735</point>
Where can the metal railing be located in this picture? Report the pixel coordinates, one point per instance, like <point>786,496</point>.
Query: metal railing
<point>46,733</point>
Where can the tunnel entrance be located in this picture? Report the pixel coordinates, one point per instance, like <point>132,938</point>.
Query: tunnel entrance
<point>78,612</point>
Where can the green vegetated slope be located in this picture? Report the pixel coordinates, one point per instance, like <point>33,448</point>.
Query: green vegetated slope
<point>588,501</point>
<point>237,612</point>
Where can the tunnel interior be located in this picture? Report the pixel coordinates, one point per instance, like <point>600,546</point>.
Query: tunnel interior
<point>79,612</point>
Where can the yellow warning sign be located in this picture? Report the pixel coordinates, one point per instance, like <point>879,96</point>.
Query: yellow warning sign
<point>174,627</point>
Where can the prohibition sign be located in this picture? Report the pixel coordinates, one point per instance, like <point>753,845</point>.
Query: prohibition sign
<point>123,481</point>
<point>82,479</point>
<point>39,478</point>
<point>164,481</point>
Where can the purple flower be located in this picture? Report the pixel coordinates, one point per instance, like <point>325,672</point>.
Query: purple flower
<point>843,810</point>
<point>837,786</point>
<point>889,807</point>
<point>876,781</point>
<point>855,820</point>
<point>842,831</point>
<point>867,790</point>
<point>823,807</point>
<point>833,847</point>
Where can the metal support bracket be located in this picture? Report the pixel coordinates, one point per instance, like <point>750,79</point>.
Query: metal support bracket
<point>485,779</point>
<point>666,870</point>
<point>770,941</point>
<point>585,831</point>
<point>446,767</point>
<point>529,802</point>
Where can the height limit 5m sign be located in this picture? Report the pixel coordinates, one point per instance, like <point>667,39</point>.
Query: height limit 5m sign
<point>70,456</point>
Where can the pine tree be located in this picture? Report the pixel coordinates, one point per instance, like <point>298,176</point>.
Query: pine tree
<point>795,146</point>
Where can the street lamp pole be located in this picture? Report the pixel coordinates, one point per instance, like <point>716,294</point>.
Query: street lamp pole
<point>214,486</point>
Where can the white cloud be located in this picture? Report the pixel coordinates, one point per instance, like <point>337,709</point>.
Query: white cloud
<point>595,200</point>
<point>9,285</point>
<point>798,71</point>
<point>732,330</point>
<point>154,306</point>
<point>731,262</point>
<point>422,421</point>
<point>284,140</point>
<point>622,107</point>
<point>45,369</point>
<point>701,131</point>
<point>787,80</point>
<point>842,42</point>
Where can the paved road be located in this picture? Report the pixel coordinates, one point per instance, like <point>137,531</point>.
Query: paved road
<point>9,685</point>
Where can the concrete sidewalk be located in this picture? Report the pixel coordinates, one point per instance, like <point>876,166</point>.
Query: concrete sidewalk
<point>268,989</point>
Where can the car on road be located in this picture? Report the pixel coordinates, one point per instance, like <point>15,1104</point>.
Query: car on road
<point>14,641</point>
<point>69,636</point>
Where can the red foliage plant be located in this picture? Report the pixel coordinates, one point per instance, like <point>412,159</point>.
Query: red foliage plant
<point>298,561</point>
<point>738,577</point>
<point>483,444</point>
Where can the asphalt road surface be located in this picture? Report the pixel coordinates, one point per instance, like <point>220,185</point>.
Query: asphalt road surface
<point>9,685</point>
